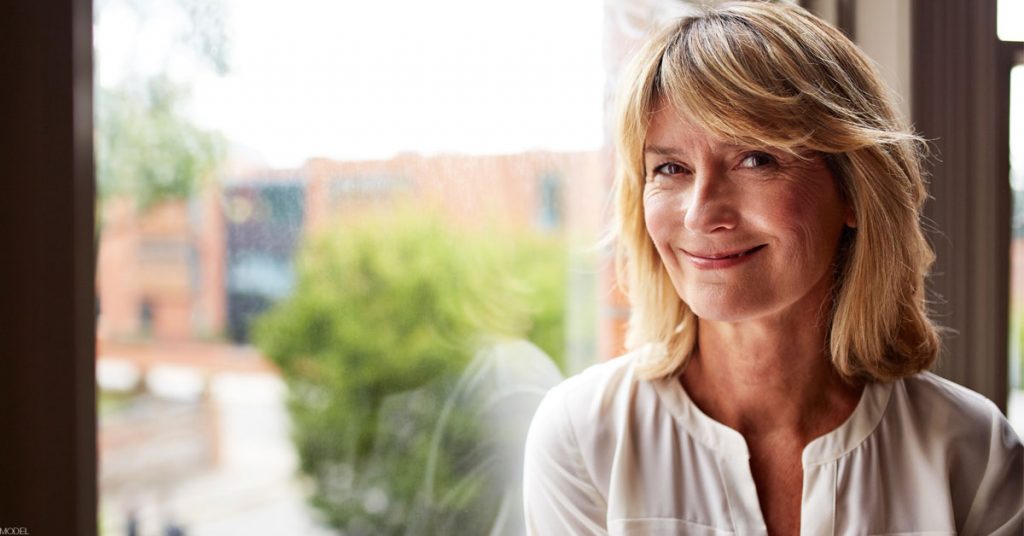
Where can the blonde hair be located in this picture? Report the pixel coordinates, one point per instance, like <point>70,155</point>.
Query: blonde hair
<point>773,75</point>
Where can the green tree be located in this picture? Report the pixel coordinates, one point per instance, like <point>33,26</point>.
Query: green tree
<point>146,147</point>
<point>384,318</point>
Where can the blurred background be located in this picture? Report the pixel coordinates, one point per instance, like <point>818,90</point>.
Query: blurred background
<point>326,233</point>
<point>343,249</point>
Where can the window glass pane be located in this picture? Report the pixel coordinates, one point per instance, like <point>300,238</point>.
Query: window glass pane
<point>1015,407</point>
<point>344,249</point>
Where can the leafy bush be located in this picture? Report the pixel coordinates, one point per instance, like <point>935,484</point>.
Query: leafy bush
<point>385,317</point>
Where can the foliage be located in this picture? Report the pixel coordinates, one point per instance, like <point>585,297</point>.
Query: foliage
<point>385,316</point>
<point>147,149</point>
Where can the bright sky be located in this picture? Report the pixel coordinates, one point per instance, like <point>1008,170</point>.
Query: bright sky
<point>368,79</point>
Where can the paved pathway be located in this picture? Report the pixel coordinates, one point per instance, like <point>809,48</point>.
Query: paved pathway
<point>254,489</point>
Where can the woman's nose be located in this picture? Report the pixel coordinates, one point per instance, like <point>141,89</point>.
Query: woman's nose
<point>709,206</point>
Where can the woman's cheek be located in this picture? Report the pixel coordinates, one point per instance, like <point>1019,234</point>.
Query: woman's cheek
<point>659,216</point>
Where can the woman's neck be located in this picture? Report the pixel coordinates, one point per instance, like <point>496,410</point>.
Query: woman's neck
<point>766,378</point>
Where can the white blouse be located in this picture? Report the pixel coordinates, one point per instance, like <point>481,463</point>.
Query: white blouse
<point>608,453</point>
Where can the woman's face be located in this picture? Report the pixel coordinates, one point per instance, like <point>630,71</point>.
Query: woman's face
<point>745,233</point>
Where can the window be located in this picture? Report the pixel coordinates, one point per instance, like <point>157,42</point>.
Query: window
<point>55,426</point>
<point>326,234</point>
<point>1015,406</point>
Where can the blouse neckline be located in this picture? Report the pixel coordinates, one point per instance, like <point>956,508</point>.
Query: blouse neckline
<point>729,443</point>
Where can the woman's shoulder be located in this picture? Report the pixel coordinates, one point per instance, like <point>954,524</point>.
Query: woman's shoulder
<point>595,390</point>
<point>954,406</point>
<point>576,431</point>
<point>591,407</point>
<point>940,410</point>
<point>966,439</point>
<point>973,433</point>
<point>571,440</point>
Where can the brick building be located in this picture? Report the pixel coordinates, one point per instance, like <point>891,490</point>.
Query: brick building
<point>200,269</point>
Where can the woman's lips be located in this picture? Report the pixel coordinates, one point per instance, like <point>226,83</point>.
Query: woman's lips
<point>720,260</point>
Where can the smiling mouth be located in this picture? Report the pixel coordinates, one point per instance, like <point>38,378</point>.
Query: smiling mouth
<point>724,256</point>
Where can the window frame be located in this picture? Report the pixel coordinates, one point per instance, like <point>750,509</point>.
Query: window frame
<point>47,348</point>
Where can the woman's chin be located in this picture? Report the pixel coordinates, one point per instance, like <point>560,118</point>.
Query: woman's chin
<point>720,304</point>
<point>760,309</point>
<point>723,312</point>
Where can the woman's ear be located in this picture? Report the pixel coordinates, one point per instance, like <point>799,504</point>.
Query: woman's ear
<point>851,219</point>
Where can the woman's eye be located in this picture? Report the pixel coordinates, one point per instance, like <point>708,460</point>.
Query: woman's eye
<point>669,169</point>
<point>755,160</point>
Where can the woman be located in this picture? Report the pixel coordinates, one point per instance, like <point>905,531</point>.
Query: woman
<point>768,204</point>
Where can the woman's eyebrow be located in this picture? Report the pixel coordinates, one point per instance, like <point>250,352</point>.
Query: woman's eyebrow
<point>659,150</point>
<point>674,151</point>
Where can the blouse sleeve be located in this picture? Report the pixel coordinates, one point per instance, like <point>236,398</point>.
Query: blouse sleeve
<point>998,506</point>
<point>559,495</point>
